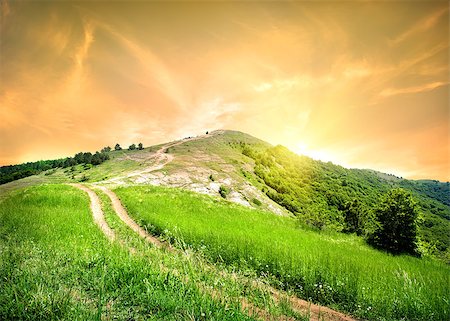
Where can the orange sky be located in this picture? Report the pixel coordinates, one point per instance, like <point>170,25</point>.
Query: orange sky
<point>363,84</point>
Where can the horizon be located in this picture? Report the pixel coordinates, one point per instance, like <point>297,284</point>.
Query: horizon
<point>363,85</point>
<point>124,146</point>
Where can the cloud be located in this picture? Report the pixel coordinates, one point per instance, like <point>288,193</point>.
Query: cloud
<point>153,65</point>
<point>82,51</point>
<point>412,90</point>
<point>422,25</point>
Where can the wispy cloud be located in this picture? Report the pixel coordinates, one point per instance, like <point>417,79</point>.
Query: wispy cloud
<point>76,79</point>
<point>152,64</point>
<point>412,90</point>
<point>422,25</point>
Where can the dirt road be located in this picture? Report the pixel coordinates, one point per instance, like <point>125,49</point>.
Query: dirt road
<point>123,215</point>
<point>97,212</point>
<point>316,312</point>
<point>160,158</point>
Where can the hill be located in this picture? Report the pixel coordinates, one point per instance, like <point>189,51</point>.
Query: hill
<point>253,173</point>
<point>225,252</point>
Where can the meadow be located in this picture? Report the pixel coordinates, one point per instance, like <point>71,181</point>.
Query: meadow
<point>330,268</point>
<point>55,264</point>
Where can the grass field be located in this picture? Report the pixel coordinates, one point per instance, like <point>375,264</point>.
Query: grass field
<point>56,264</point>
<point>333,269</point>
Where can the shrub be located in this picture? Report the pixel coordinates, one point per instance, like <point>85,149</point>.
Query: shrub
<point>132,147</point>
<point>224,191</point>
<point>256,202</point>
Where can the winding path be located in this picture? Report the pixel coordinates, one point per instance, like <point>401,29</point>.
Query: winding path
<point>160,159</point>
<point>123,215</point>
<point>97,212</point>
<point>316,312</point>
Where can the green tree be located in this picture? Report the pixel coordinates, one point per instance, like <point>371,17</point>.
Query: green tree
<point>132,147</point>
<point>87,158</point>
<point>355,217</point>
<point>140,146</point>
<point>396,223</point>
<point>96,159</point>
<point>117,147</point>
<point>106,149</point>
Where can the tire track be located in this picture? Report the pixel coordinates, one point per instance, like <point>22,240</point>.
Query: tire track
<point>316,312</point>
<point>97,212</point>
<point>123,215</point>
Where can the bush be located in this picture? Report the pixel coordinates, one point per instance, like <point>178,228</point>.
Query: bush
<point>256,202</point>
<point>211,178</point>
<point>396,223</point>
<point>224,191</point>
<point>117,147</point>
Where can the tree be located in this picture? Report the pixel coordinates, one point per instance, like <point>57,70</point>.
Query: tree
<point>79,158</point>
<point>96,159</point>
<point>87,158</point>
<point>355,217</point>
<point>396,223</point>
<point>132,147</point>
<point>106,149</point>
<point>140,146</point>
<point>117,147</point>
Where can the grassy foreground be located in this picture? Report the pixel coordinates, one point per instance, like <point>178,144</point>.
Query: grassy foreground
<point>56,264</point>
<point>329,268</point>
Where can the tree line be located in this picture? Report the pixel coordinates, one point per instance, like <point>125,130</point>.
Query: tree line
<point>11,173</point>
<point>131,147</point>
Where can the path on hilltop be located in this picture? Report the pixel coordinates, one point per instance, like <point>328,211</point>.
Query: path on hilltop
<point>160,158</point>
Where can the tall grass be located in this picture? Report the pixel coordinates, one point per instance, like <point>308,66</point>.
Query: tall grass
<point>227,286</point>
<point>330,268</point>
<point>56,264</point>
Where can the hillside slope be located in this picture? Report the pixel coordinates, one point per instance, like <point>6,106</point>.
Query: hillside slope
<point>253,173</point>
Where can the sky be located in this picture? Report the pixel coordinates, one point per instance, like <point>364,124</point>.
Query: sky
<point>362,84</point>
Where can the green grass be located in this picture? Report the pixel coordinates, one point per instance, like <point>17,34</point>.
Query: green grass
<point>230,286</point>
<point>55,264</point>
<point>330,268</point>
